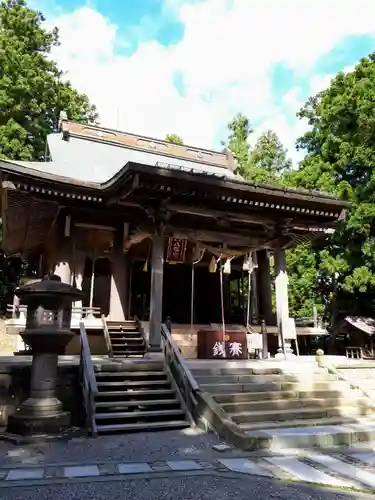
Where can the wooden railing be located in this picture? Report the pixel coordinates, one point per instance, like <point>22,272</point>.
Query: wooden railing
<point>107,337</point>
<point>88,381</point>
<point>179,369</point>
<point>19,311</point>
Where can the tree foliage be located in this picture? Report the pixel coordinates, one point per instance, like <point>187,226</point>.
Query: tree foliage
<point>239,131</point>
<point>32,91</point>
<point>340,160</point>
<point>174,139</point>
<point>266,161</point>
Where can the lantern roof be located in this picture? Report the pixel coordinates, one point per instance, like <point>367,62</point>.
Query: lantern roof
<point>49,286</point>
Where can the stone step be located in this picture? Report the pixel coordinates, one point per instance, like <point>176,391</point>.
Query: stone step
<point>128,352</point>
<point>249,397</point>
<point>126,335</point>
<point>273,386</point>
<point>289,415</point>
<point>132,383</point>
<point>297,423</point>
<point>131,375</point>
<point>143,426</point>
<point>128,415</point>
<point>123,346</point>
<point>291,404</point>
<point>235,370</point>
<point>118,405</point>
<point>330,433</point>
<point>134,394</point>
<point>120,365</point>
<point>127,322</point>
<point>136,343</point>
<point>260,379</point>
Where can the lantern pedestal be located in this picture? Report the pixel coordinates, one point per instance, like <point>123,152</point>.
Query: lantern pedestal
<point>47,333</point>
<point>42,412</point>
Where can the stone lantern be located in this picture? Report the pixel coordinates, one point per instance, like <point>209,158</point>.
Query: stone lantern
<point>47,332</point>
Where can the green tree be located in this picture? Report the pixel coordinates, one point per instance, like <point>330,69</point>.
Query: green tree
<point>340,159</point>
<point>268,160</point>
<point>239,131</point>
<point>174,139</point>
<point>32,92</point>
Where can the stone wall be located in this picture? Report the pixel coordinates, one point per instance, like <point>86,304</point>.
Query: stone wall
<point>14,388</point>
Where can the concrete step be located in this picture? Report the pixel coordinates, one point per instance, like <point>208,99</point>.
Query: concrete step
<point>128,352</point>
<point>141,403</point>
<point>235,370</point>
<point>134,394</point>
<point>261,379</point>
<point>297,423</point>
<point>289,415</point>
<point>249,397</point>
<point>328,434</point>
<point>125,335</point>
<point>133,347</point>
<point>120,385</point>
<point>122,324</point>
<point>130,375</point>
<point>143,426</point>
<point>273,386</point>
<point>128,415</point>
<point>291,404</point>
<point>119,343</point>
<point>120,365</point>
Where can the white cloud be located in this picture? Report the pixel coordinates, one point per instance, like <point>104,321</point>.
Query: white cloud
<point>226,54</point>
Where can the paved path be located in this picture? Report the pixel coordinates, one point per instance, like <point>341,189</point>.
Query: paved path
<point>180,488</point>
<point>172,455</point>
<point>343,471</point>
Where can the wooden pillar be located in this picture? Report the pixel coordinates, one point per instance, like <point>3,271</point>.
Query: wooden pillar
<point>253,277</point>
<point>156,296</point>
<point>117,304</point>
<point>264,287</point>
<point>282,304</point>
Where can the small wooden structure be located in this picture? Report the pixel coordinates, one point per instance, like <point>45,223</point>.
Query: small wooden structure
<point>357,333</point>
<point>140,225</point>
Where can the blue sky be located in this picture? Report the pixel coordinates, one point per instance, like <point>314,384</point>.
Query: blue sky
<point>187,66</point>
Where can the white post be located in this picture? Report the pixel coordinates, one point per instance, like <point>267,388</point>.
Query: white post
<point>282,304</point>
<point>79,266</point>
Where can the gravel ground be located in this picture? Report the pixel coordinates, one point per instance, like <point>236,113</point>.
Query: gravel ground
<point>150,447</point>
<point>180,488</point>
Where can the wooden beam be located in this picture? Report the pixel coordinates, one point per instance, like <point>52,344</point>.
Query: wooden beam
<point>134,239</point>
<point>215,214</point>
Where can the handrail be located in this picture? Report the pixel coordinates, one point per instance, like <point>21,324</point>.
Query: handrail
<point>88,380</point>
<point>107,337</point>
<point>179,369</point>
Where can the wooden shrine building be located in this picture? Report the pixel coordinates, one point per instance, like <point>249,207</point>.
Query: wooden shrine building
<point>150,229</point>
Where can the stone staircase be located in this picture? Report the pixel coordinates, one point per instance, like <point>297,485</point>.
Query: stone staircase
<point>277,401</point>
<point>137,395</point>
<point>126,338</point>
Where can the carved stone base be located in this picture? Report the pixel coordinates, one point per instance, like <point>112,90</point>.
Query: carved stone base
<point>28,425</point>
<point>289,354</point>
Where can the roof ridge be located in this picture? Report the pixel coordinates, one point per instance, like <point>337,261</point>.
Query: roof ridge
<point>225,160</point>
